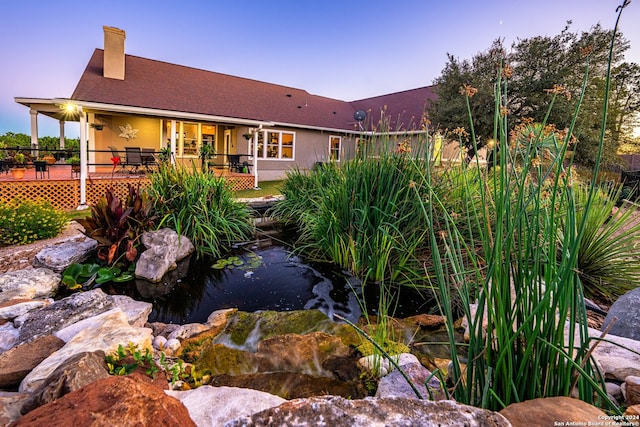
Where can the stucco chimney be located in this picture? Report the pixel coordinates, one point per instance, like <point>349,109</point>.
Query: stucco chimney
<point>113,53</point>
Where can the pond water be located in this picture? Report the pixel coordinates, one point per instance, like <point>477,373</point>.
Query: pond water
<point>271,278</point>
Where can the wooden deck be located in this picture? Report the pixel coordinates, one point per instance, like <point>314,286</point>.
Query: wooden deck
<point>62,188</point>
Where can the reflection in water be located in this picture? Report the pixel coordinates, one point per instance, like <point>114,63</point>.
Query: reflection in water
<point>281,282</point>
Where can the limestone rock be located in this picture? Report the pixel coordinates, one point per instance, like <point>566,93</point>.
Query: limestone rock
<point>109,402</point>
<point>137,311</point>
<point>214,406</point>
<point>219,318</point>
<point>615,361</point>
<point>63,313</point>
<point>154,263</point>
<point>395,385</point>
<point>614,391</point>
<point>339,412</point>
<point>428,320</point>
<point>61,256</point>
<point>159,342</point>
<point>107,336</point>
<point>167,236</point>
<point>36,283</point>
<point>9,337</point>
<point>164,248</point>
<point>68,332</point>
<point>299,353</point>
<point>187,331</point>
<point>16,363</point>
<point>627,311</point>
<point>10,405</point>
<point>17,307</point>
<point>292,385</point>
<point>632,390</point>
<point>76,372</point>
<point>163,329</point>
<point>546,411</point>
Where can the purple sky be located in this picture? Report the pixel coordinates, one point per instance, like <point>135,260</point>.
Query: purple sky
<point>342,49</point>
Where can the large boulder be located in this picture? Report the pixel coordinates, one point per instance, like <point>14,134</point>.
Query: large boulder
<point>626,311</point>
<point>61,256</point>
<point>164,248</point>
<point>619,358</point>
<point>339,412</point>
<point>38,283</point>
<point>16,363</point>
<point>112,330</point>
<point>119,400</point>
<point>9,310</point>
<point>552,411</point>
<point>76,372</point>
<point>63,313</point>
<point>214,406</point>
<point>395,384</point>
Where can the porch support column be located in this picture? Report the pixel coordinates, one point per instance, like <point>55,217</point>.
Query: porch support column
<point>34,132</point>
<point>172,158</point>
<point>83,160</point>
<point>91,142</point>
<point>255,157</point>
<point>61,134</point>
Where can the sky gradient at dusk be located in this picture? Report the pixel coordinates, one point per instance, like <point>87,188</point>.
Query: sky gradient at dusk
<point>340,49</point>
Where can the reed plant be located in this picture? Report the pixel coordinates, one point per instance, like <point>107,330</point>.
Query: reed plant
<point>522,292</point>
<point>200,206</point>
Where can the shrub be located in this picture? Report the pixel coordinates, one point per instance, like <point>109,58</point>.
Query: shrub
<point>200,206</point>
<point>118,228</point>
<point>25,221</point>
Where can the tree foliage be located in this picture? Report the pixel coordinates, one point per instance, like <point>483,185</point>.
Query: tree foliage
<point>539,64</point>
<point>12,139</point>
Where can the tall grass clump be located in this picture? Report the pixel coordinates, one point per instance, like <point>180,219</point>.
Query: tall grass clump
<point>26,221</point>
<point>359,214</point>
<point>200,206</point>
<point>522,290</point>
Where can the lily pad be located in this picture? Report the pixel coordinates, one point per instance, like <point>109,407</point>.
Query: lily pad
<point>124,277</point>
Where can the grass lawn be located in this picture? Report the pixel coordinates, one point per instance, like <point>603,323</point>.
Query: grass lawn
<point>267,188</point>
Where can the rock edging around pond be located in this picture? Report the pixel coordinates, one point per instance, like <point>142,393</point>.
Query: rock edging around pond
<point>52,359</point>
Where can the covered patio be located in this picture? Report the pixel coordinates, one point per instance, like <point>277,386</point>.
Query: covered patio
<point>62,188</point>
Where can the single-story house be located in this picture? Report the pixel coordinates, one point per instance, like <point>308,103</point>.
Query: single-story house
<point>128,101</point>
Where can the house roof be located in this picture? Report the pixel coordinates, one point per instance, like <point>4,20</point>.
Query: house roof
<point>157,85</point>
<point>403,110</point>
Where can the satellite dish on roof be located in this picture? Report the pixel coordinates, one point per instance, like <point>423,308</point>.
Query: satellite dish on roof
<point>360,115</point>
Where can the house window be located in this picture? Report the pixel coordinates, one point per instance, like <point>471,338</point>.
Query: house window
<point>335,146</point>
<point>275,145</point>
<point>189,141</point>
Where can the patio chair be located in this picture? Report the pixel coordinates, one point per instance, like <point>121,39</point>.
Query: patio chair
<point>41,167</point>
<point>134,158</point>
<point>234,162</point>
<point>115,154</point>
<point>148,158</point>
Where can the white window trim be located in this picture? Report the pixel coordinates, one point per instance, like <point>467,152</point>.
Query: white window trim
<point>331,150</point>
<point>263,155</point>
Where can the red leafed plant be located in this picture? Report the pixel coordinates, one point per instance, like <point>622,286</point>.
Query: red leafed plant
<point>118,228</point>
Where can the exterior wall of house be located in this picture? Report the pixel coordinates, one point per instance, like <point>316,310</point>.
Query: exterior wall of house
<point>310,147</point>
<point>147,135</point>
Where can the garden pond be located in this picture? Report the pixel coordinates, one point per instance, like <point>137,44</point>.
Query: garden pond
<point>270,278</point>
